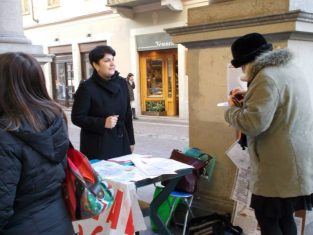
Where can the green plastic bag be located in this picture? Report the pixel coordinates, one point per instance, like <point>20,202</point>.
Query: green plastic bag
<point>165,207</point>
<point>210,161</point>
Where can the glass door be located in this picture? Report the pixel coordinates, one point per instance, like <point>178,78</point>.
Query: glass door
<point>159,82</point>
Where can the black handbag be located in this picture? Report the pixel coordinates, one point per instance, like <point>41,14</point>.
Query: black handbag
<point>214,224</point>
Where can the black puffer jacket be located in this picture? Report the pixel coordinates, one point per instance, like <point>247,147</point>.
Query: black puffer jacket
<point>31,177</point>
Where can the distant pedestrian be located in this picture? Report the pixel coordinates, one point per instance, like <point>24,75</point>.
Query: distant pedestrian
<point>102,110</point>
<point>131,87</point>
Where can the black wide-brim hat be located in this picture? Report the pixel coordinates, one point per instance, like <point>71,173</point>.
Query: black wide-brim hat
<point>246,48</point>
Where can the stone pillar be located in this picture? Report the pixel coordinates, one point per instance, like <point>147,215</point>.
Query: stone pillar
<point>210,32</point>
<point>12,36</point>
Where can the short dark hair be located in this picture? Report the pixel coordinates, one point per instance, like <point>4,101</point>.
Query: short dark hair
<point>129,75</point>
<point>98,53</point>
<point>23,93</point>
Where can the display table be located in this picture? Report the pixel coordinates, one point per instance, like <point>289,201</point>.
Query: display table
<point>125,216</point>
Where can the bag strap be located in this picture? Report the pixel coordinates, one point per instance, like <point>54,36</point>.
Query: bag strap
<point>70,145</point>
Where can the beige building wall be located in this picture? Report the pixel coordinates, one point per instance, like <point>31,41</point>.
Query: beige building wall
<point>82,21</point>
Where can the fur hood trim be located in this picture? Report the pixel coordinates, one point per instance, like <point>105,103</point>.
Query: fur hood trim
<point>276,58</point>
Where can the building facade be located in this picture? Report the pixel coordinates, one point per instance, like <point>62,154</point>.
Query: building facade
<point>68,30</point>
<point>179,51</point>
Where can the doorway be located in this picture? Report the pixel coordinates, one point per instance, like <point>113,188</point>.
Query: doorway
<point>159,82</point>
<point>64,89</point>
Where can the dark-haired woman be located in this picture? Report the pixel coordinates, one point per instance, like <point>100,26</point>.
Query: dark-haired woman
<point>102,109</point>
<point>33,145</point>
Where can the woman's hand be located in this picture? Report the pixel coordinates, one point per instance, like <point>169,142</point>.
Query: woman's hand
<point>110,122</point>
<point>235,97</point>
<point>132,147</point>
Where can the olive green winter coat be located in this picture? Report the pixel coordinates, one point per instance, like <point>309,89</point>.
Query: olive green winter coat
<point>277,118</point>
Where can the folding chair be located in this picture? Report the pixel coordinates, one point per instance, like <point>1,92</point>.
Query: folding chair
<point>187,198</point>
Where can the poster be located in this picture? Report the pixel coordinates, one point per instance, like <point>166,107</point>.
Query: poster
<point>123,217</point>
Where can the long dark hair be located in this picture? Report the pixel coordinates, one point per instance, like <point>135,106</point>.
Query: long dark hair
<point>23,93</point>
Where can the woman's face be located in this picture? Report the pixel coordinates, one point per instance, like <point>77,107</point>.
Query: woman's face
<point>105,67</point>
<point>243,68</point>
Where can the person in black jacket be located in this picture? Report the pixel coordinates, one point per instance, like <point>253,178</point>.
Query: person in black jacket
<point>102,110</point>
<point>131,86</point>
<point>33,145</point>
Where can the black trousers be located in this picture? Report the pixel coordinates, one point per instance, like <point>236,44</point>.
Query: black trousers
<point>283,225</point>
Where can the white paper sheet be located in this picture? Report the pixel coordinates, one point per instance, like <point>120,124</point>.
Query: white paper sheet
<point>117,172</point>
<point>153,167</point>
<point>238,156</point>
<point>222,104</point>
<point>241,192</point>
<point>144,167</point>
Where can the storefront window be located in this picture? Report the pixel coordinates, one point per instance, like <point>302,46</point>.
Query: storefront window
<point>154,77</point>
<point>169,77</point>
<point>64,79</point>
<point>70,79</point>
<point>53,3</point>
<point>25,7</point>
<point>60,82</point>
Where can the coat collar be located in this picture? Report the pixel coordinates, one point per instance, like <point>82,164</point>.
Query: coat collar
<point>275,58</point>
<point>111,85</point>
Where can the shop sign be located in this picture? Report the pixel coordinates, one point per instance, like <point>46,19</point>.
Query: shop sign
<point>155,41</point>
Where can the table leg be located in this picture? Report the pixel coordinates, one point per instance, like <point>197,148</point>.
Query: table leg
<point>157,201</point>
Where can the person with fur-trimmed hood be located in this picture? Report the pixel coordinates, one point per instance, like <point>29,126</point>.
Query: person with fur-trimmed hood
<point>277,118</point>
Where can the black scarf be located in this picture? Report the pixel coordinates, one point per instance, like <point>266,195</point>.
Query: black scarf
<point>111,85</point>
<point>243,141</point>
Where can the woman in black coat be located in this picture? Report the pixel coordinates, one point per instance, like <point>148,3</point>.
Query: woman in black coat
<point>102,109</point>
<point>33,145</point>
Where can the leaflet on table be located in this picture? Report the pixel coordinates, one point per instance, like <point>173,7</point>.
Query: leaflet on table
<point>154,167</point>
<point>120,173</point>
<point>127,159</point>
<point>144,167</point>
